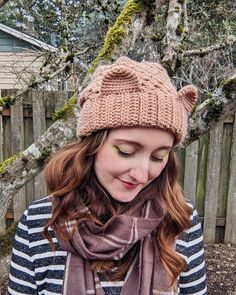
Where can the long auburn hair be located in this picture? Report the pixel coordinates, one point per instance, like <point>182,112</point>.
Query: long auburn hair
<point>71,179</point>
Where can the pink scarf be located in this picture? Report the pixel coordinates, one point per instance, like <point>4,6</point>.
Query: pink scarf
<point>112,241</point>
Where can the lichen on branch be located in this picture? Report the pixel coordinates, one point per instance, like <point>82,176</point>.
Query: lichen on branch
<point>7,162</point>
<point>66,111</point>
<point>6,101</point>
<point>6,240</point>
<point>117,32</point>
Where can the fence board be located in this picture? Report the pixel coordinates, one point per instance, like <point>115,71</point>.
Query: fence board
<point>201,174</point>
<point>1,134</point>
<point>190,175</point>
<point>17,145</point>
<point>6,139</point>
<point>39,126</point>
<point>230,229</point>
<point>28,139</point>
<point>3,220</point>
<point>1,137</point>
<point>212,184</point>
<point>181,161</point>
<point>224,177</point>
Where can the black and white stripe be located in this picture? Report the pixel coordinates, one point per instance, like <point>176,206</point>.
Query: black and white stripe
<point>36,269</point>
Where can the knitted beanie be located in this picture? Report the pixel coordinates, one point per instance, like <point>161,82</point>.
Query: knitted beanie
<point>128,94</point>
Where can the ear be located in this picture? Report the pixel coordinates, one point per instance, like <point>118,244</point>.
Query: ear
<point>120,79</point>
<point>188,95</point>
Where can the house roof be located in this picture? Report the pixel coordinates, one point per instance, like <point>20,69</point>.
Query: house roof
<point>27,38</point>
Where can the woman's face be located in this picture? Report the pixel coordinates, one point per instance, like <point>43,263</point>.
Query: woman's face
<point>130,159</point>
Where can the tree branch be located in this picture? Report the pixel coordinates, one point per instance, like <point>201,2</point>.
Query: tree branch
<point>213,110</point>
<point>123,34</point>
<point>173,32</point>
<point>3,2</point>
<point>203,51</point>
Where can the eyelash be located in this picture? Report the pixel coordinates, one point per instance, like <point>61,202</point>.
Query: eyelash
<point>157,159</point>
<point>123,154</point>
<point>126,155</point>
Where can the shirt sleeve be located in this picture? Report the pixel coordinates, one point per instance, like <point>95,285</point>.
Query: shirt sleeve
<point>22,276</point>
<point>193,280</point>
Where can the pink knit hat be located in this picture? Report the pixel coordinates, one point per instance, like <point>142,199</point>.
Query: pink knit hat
<point>128,93</point>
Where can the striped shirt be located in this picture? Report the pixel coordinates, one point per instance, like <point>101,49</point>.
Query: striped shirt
<point>36,269</point>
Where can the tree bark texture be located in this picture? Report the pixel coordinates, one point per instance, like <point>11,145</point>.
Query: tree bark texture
<point>172,35</point>
<point>3,2</point>
<point>212,111</point>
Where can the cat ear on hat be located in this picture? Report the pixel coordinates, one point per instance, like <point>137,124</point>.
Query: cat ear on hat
<point>188,95</point>
<point>119,79</point>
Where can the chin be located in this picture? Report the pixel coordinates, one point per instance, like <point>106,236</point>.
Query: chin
<point>124,199</point>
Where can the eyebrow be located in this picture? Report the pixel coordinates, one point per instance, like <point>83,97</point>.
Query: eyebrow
<point>133,142</point>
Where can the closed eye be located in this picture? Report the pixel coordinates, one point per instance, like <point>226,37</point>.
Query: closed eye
<point>155,159</point>
<point>123,153</point>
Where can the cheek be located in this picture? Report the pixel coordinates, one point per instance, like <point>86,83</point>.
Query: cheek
<point>157,171</point>
<point>106,161</point>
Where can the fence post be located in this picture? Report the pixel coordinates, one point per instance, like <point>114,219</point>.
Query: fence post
<point>17,145</point>
<point>230,229</point>
<point>212,183</point>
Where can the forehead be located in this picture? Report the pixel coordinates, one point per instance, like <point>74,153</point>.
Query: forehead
<point>153,138</point>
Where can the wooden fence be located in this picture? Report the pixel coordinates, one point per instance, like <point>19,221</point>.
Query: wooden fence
<point>207,166</point>
<point>20,126</point>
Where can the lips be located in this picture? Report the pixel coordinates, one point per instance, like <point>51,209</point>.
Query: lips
<point>128,185</point>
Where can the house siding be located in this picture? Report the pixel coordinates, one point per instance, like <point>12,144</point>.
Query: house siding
<point>18,67</point>
<point>9,43</point>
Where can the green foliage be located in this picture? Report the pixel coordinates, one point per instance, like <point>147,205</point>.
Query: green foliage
<point>6,101</point>
<point>6,240</point>
<point>168,66</point>
<point>180,30</point>
<point>214,110</point>
<point>209,94</point>
<point>213,20</point>
<point>44,156</point>
<point>193,134</point>
<point>228,86</point>
<point>4,164</point>
<point>117,32</point>
<point>66,111</point>
<point>156,37</point>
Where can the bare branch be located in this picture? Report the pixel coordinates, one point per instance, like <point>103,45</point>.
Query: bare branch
<point>159,3</point>
<point>186,21</point>
<point>203,51</point>
<point>173,33</point>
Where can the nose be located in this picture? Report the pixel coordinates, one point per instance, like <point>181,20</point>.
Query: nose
<point>140,173</point>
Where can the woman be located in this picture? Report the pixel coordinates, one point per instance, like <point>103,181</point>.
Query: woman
<point>116,221</point>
